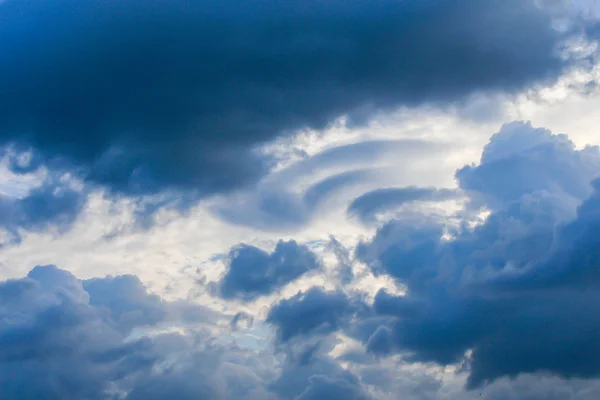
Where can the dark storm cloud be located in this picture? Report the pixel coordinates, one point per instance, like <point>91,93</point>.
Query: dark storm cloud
<point>520,290</point>
<point>252,272</point>
<point>509,334</point>
<point>148,96</point>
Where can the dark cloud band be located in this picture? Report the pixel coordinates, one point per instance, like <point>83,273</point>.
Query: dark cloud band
<point>147,96</point>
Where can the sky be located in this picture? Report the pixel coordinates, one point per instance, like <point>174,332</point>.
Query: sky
<point>300,200</point>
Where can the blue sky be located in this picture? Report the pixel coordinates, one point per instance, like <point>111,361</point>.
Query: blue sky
<point>300,200</point>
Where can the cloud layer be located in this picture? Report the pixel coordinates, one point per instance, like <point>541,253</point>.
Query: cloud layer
<point>143,97</point>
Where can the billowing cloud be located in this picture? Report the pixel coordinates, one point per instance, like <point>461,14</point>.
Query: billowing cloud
<point>55,345</point>
<point>521,159</point>
<point>316,375</point>
<point>148,96</point>
<point>63,338</point>
<point>252,272</point>
<point>126,299</point>
<point>511,296</point>
<point>312,312</point>
<point>106,339</point>
<point>53,204</point>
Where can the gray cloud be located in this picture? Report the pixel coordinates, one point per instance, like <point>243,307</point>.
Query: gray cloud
<point>52,204</point>
<point>145,97</point>
<point>311,313</point>
<point>62,338</point>
<point>521,159</point>
<point>252,272</point>
<point>519,291</point>
<point>321,378</point>
<point>55,346</point>
<point>127,301</point>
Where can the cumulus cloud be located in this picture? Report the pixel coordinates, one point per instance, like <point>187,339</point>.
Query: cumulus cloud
<point>53,204</point>
<point>126,299</point>
<point>511,296</point>
<point>105,339</point>
<point>252,272</point>
<point>315,311</point>
<point>319,378</point>
<point>63,338</point>
<point>150,96</point>
<point>521,159</point>
<point>403,250</point>
<point>55,345</point>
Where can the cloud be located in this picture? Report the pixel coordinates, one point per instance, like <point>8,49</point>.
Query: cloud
<point>292,197</point>
<point>143,105</point>
<point>322,387</point>
<point>55,345</point>
<point>212,372</point>
<point>573,260</point>
<point>321,378</point>
<point>564,343</point>
<point>521,159</point>
<point>53,204</point>
<point>319,192</point>
<point>514,295</point>
<point>312,312</point>
<point>63,338</point>
<point>367,206</point>
<point>143,97</point>
<point>103,339</point>
<point>532,387</point>
<point>241,320</point>
<point>403,250</point>
<point>252,272</point>
<point>127,301</point>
